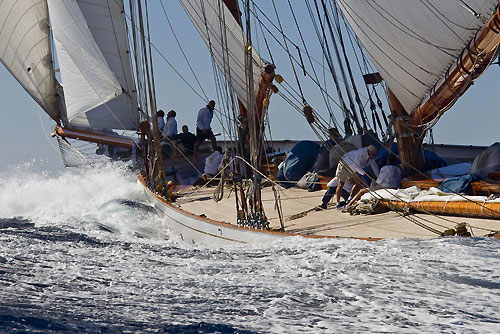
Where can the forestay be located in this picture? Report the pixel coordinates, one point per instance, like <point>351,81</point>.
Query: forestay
<point>91,43</point>
<point>25,49</point>
<point>413,43</point>
<point>226,41</point>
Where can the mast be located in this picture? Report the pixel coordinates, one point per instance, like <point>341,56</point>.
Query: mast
<point>158,170</point>
<point>411,152</point>
<point>265,83</point>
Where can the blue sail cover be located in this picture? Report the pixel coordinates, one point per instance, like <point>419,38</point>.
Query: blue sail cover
<point>432,160</point>
<point>298,161</point>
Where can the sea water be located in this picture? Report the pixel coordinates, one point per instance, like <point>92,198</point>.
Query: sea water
<point>83,251</point>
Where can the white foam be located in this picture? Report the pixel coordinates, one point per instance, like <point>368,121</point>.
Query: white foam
<point>106,199</point>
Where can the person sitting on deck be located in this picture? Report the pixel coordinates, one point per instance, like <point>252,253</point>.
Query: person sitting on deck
<point>351,168</point>
<point>187,139</point>
<point>212,162</point>
<point>203,127</point>
<point>389,178</point>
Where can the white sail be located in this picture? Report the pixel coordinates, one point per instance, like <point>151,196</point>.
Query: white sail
<point>25,49</point>
<point>412,43</point>
<point>90,39</point>
<point>226,41</point>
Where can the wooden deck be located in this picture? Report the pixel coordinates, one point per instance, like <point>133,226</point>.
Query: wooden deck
<point>301,218</point>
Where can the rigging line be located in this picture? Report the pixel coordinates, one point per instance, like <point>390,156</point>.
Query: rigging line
<point>470,9</point>
<point>182,50</point>
<point>214,65</point>
<point>168,63</point>
<point>138,74</point>
<point>327,57</point>
<point>151,60</point>
<point>133,61</point>
<point>326,52</point>
<point>349,35</point>
<point>396,64</point>
<point>329,105</point>
<point>434,11</point>
<point>316,82</point>
<point>40,109</point>
<point>122,9</point>
<point>265,40</point>
<point>288,52</point>
<point>288,39</point>
<point>308,55</point>
<point>228,82</point>
<point>359,18</point>
<point>346,59</point>
<point>408,30</point>
<point>339,61</point>
<point>372,103</point>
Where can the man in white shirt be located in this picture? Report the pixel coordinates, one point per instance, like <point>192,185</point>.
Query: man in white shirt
<point>170,132</point>
<point>203,127</point>
<point>389,178</point>
<point>351,166</point>
<point>161,122</point>
<point>212,162</point>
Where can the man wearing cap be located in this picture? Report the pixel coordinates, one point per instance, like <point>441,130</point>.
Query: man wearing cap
<point>350,167</point>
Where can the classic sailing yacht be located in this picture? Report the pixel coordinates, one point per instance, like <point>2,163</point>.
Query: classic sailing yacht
<point>426,53</point>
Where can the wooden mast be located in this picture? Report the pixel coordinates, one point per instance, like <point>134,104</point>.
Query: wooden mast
<point>411,152</point>
<point>265,83</point>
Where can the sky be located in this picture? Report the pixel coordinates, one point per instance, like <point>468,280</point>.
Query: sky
<point>25,128</point>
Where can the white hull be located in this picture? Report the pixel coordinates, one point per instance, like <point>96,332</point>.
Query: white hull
<point>194,229</point>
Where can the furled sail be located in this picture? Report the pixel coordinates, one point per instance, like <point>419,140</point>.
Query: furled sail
<point>91,42</point>
<point>226,41</point>
<point>25,50</point>
<point>412,43</point>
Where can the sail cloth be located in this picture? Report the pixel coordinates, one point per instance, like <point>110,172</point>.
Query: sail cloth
<point>92,50</point>
<point>226,41</point>
<point>25,50</point>
<point>412,43</point>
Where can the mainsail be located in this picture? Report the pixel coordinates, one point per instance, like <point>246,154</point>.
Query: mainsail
<point>25,50</point>
<point>91,41</point>
<point>413,43</point>
<point>226,41</point>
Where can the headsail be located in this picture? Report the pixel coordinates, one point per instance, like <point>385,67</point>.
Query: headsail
<point>413,43</point>
<point>225,40</point>
<point>25,50</point>
<point>91,43</point>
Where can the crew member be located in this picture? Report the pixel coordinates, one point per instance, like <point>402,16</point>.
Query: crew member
<point>203,127</point>
<point>350,167</point>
